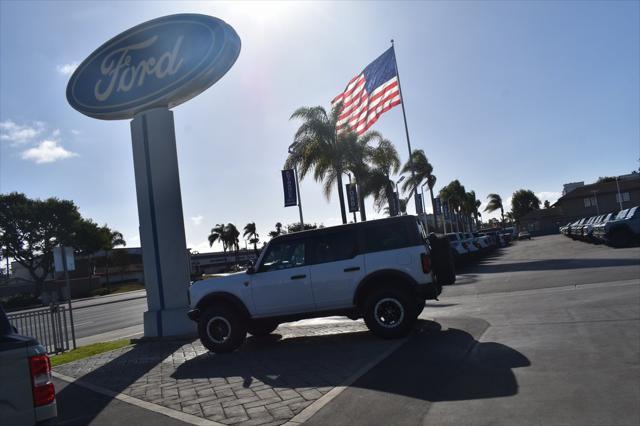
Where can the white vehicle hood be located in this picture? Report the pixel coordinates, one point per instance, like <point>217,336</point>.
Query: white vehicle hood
<point>228,283</point>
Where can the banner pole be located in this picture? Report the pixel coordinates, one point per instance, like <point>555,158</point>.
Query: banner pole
<point>295,170</point>
<point>406,128</point>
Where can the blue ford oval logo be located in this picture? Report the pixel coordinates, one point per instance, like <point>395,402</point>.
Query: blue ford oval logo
<point>160,63</point>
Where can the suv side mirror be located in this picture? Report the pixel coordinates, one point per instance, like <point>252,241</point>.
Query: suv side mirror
<point>251,269</point>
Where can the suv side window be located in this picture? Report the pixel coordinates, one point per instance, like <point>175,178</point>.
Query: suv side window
<point>284,255</point>
<point>386,237</point>
<point>333,247</point>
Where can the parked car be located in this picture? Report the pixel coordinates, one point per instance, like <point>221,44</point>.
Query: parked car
<point>458,247</point>
<point>381,270</point>
<point>599,229</point>
<point>524,235</point>
<point>486,240</point>
<point>624,231</point>
<point>27,394</point>
<point>573,229</point>
<point>471,245</point>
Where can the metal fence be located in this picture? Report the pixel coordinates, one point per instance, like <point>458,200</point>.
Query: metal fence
<point>48,325</point>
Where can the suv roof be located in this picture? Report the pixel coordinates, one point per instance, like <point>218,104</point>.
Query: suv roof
<point>346,227</point>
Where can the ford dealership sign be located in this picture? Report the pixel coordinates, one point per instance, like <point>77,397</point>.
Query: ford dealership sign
<point>160,63</point>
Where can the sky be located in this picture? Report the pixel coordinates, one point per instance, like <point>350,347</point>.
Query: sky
<point>500,95</point>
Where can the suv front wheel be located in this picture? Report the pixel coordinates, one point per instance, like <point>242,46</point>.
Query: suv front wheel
<point>222,329</point>
<point>389,313</point>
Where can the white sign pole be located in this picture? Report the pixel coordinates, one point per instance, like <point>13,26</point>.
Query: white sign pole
<point>164,248</point>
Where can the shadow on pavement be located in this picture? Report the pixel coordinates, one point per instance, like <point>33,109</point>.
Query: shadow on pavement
<point>116,374</point>
<point>546,265</point>
<point>434,364</point>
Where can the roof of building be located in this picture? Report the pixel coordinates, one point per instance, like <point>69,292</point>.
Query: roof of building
<point>602,188</point>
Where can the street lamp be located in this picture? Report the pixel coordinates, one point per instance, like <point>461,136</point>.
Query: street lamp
<point>291,151</point>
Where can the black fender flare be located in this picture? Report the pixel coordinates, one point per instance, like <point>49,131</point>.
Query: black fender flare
<point>375,278</point>
<point>226,298</point>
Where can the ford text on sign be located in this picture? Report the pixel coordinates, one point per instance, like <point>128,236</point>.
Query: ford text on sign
<point>160,63</point>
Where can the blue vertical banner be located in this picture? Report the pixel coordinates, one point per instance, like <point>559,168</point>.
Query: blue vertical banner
<point>289,187</point>
<point>445,210</point>
<point>438,206</point>
<point>419,208</point>
<point>352,197</point>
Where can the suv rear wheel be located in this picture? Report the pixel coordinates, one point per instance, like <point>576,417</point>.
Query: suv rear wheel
<point>389,313</point>
<point>222,329</point>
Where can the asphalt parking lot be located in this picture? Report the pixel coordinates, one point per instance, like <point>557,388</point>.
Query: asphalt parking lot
<point>545,332</point>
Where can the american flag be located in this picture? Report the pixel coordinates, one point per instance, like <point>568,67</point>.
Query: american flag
<point>369,94</point>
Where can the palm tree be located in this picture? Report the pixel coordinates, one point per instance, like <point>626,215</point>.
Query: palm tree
<point>217,234</point>
<point>384,163</point>
<point>115,239</point>
<point>454,195</point>
<point>319,147</point>
<point>357,155</point>
<point>250,231</point>
<point>231,235</point>
<point>422,171</point>
<point>277,232</point>
<point>495,203</point>
<point>470,205</point>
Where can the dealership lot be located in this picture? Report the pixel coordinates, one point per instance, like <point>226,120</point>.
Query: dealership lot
<point>545,331</point>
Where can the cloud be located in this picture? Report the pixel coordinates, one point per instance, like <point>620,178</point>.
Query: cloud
<point>197,220</point>
<point>55,133</point>
<point>75,132</point>
<point>201,247</point>
<point>47,151</point>
<point>67,69</point>
<point>552,196</point>
<point>19,133</point>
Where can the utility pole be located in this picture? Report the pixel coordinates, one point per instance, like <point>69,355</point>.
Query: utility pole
<point>617,186</point>
<point>66,278</point>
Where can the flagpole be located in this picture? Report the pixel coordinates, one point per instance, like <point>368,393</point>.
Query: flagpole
<point>406,128</point>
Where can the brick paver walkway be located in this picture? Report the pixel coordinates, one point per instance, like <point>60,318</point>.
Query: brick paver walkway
<point>268,381</point>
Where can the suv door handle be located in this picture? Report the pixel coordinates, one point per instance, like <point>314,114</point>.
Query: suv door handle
<point>352,269</point>
<point>298,277</point>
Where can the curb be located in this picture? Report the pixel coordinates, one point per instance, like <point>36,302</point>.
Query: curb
<point>178,415</point>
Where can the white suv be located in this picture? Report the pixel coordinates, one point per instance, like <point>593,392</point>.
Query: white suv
<point>382,270</point>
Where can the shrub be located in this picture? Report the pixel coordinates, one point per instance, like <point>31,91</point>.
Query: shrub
<point>100,291</point>
<point>20,300</point>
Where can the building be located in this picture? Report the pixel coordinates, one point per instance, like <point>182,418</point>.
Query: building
<point>568,187</point>
<point>543,221</point>
<point>600,198</point>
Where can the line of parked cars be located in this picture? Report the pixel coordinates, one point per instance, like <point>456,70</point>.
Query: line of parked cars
<point>617,229</point>
<point>470,245</point>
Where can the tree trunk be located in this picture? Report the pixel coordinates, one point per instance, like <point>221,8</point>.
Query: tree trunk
<point>341,197</point>
<point>363,213</point>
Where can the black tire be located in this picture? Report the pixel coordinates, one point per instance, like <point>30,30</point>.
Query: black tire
<point>262,328</point>
<point>389,312</point>
<point>442,260</point>
<point>222,329</point>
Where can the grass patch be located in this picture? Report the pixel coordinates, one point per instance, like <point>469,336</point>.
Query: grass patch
<point>117,288</point>
<point>87,351</point>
